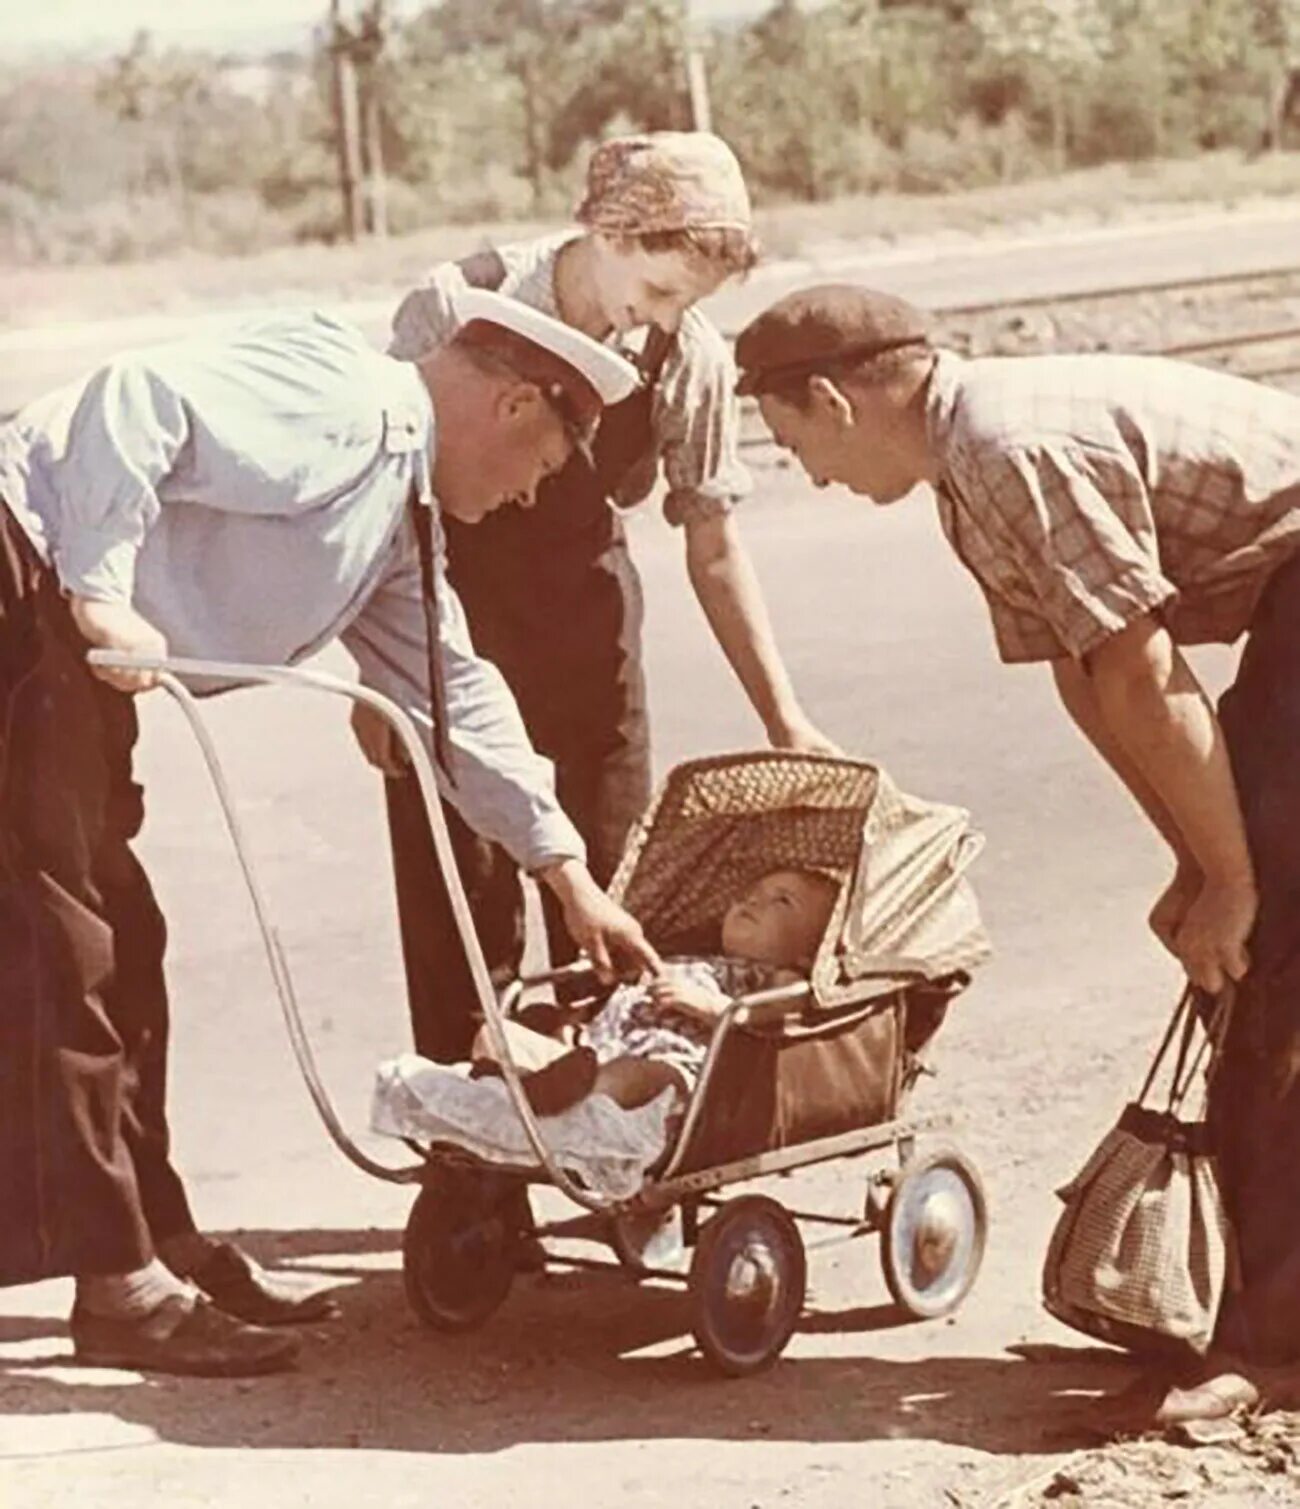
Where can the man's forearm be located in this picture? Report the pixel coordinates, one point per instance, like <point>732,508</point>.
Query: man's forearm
<point>1076,691</point>
<point>1155,709</point>
<point>729,593</point>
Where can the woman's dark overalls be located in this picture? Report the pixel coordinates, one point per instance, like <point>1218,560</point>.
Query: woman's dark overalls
<point>554,601</point>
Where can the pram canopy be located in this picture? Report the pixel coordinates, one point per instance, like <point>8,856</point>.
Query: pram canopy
<point>905,911</point>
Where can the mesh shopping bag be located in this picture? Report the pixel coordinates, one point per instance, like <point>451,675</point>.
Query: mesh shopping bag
<point>1140,1254</point>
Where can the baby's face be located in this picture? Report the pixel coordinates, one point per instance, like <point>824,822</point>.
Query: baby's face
<point>779,920</point>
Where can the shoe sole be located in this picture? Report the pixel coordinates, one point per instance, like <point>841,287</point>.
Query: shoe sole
<point>307,1314</point>
<point>232,1367</point>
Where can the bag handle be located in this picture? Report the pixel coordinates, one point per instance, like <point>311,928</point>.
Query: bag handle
<point>1210,1051</point>
<point>1187,1065</point>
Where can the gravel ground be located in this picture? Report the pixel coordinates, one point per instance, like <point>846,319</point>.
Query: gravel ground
<point>1167,321</point>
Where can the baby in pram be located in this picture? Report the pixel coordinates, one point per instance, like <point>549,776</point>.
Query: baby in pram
<point>653,1035</point>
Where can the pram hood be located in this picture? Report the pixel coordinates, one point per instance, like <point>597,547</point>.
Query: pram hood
<point>905,911</point>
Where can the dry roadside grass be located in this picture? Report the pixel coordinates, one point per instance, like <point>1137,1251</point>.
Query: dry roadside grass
<point>38,295</point>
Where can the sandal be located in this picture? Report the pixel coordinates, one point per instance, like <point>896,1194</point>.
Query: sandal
<point>1217,1398</point>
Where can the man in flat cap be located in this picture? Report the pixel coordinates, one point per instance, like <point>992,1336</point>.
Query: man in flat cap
<point>249,497</point>
<point>1112,508</point>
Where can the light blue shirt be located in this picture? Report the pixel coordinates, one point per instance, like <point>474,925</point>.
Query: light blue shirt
<point>247,493</point>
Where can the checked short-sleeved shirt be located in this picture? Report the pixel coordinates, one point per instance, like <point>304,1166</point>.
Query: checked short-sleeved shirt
<point>1083,492</point>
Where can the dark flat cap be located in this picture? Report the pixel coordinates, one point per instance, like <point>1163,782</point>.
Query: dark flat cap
<point>829,327</point>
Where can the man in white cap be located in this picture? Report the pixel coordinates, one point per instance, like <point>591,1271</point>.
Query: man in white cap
<point>248,497</point>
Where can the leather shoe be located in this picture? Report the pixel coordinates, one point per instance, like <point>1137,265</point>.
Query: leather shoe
<point>239,1285</point>
<point>180,1336</point>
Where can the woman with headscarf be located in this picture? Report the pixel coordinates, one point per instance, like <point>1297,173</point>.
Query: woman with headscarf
<point>548,587</point>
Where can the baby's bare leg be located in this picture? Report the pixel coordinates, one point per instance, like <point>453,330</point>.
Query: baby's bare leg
<point>633,1082</point>
<point>530,1050</point>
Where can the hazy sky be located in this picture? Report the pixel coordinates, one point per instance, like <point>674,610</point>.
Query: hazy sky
<point>83,23</point>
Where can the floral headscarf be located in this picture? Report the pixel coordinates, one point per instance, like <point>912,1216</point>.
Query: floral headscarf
<point>664,181</point>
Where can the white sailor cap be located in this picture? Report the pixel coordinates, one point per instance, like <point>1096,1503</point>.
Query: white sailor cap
<point>578,375</point>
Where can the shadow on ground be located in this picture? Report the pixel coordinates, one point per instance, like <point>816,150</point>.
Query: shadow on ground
<point>564,1360</point>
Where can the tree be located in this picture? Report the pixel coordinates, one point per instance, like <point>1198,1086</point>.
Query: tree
<point>622,63</point>
<point>1277,25</point>
<point>1051,46</point>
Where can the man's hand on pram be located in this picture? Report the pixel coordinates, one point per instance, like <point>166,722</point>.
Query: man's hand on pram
<point>117,626</point>
<point>610,937</point>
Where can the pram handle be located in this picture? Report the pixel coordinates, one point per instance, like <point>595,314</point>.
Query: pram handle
<point>172,672</point>
<point>765,1007</point>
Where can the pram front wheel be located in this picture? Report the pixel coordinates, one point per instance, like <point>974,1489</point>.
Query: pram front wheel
<point>932,1236</point>
<point>458,1249</point>
<point>747,1284</point>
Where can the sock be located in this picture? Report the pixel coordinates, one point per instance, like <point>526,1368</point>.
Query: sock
<point>187,1252</point>
<point>123,1296</point>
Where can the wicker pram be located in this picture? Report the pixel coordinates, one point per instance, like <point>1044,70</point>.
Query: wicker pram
<point>793,1077</point>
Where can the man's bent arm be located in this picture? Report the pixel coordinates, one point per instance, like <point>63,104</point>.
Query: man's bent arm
<point>123,438</point>
<point>1163,723</point>
<point>1079,696</point>
<point>503,788</point>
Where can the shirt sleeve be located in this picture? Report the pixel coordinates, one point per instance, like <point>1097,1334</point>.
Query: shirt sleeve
<point>1075,557</point>
<point>504,789</point>
<point>425,319</point>
<point>123,438</point>
<point>697,424</point>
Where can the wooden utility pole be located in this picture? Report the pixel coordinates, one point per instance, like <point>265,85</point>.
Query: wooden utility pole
<point>369,46</point>
<point>697,75</point>
<point>346,123</point>
<point>526,65</point>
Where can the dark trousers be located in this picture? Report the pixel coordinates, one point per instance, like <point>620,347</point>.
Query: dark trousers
<point>603,783</point>
<point>86,1182</point>
<point>1255,1097</point>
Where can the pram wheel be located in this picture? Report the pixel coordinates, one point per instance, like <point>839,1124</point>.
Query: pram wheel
<point>747,1284</point>
<point>932,1237</point>
<point>458,1249</point>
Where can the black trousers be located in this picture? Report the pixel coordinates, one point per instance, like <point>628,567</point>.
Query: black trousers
<point>602,774</point>
<point>1255,1097</point>
<point>86,1181</point>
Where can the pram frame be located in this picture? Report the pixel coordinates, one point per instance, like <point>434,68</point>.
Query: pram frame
<point>172,673</point>
<point>659,1192</point>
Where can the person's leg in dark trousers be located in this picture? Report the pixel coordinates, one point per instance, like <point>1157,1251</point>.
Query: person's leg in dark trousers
<point>68,1184</point>
<point>84,1165</point>
<point>602,771</point>
<point>443,1001</point>
<point>604,786</point>
<point>137,999</point>
<point>135,996</point>
<point>1255,1099</point>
